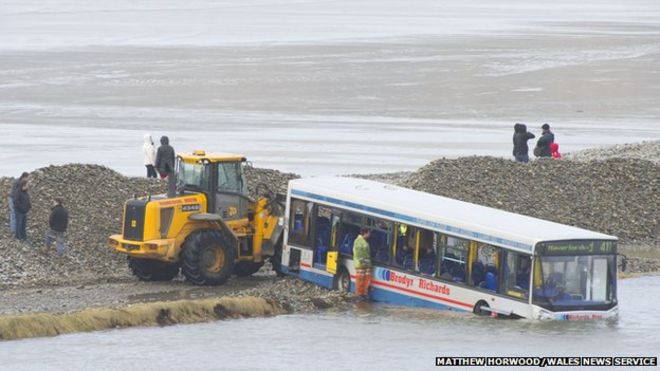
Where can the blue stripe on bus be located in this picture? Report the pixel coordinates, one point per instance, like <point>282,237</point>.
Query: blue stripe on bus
<point>411,219</point>
<point>319,279</point>
<point>386,296</point>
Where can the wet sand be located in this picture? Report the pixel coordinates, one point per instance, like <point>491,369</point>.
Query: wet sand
<point>345,102</point>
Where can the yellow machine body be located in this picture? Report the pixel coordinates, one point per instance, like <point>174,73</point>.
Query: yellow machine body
<point>156,227</point>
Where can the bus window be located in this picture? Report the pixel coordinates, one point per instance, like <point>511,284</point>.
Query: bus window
<point>299,222</point>
<point>348,232</point>
<point>484,270</point>
<point>379,239</point>
<point>427,252</point>
<point>517,274</point>
<point>454,259</point>
<point>323,234</point>
<point>405,246</point>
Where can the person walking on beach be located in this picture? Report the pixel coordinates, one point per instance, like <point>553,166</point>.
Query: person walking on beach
<point>165,158</point>
<point>10,200</point>
<point>544,142</point>
<point>149,152</point>
<point>362,261</point>
<point>58,223</point>
<point>22,205</point>
<point>520,138</point>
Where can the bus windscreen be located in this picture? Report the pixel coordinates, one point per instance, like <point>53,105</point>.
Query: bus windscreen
<point>578,275</point>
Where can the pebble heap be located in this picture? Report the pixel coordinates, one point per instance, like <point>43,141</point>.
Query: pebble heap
<point>611,193</point>
<point>649,150</point>
<point>276,181</point>
<point>94,196</point>
<point>616,196</point>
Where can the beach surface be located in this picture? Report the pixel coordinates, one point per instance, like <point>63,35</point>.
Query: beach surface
<point>321,88</point>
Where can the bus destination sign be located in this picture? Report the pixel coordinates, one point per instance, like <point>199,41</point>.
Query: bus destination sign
<point>578,248</point>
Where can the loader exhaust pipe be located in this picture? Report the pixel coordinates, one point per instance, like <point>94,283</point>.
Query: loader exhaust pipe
<point>171,185</point>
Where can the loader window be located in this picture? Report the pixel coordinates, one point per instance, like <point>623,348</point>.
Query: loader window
<point>229,177</point>
<point>194,175</point>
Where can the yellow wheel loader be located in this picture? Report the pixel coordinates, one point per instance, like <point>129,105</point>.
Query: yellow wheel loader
<point>207,226</point>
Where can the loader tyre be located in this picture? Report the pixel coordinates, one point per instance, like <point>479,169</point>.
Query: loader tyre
<point>152,270</point>
<point>207,258</point>
<point>276,259</point>
<point>244,269</point>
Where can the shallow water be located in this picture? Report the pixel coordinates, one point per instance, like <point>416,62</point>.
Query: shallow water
<point>370,337</point>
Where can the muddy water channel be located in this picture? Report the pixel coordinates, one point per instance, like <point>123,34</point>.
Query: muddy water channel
<point>368,336</point>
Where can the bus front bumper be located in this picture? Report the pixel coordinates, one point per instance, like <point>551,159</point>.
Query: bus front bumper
<point>583,315</point>
<point>152,249</point>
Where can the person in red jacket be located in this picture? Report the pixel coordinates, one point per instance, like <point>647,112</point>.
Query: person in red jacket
<point>554,150</point>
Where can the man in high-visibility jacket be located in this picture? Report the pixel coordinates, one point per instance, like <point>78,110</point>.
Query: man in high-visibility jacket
<point>362,262</point>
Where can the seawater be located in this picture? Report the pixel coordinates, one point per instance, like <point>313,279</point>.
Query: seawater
<point>368,337</point>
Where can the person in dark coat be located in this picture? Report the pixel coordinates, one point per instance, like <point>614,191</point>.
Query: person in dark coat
<point>10,200</point>
<point>544,142</point>
<point>165,158</point>
<point>58,222</point>
<point>22,206</point>
<point>520,138</point>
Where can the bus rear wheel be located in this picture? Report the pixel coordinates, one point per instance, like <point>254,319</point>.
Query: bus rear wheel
<point>152,270</point>
<point>479,308</point>
<point>343,280</point>
<point>207,258</point>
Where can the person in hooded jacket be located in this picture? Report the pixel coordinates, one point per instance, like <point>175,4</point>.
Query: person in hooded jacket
<point>10,200</point>
<point>520,138</point>
<point>165,158</point>
<point>22,205</point>
<point>149,152</point>
<point>554,150</point>
<point>544,141</point>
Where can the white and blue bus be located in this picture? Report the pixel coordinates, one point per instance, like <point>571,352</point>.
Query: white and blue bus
<point>432,251</point>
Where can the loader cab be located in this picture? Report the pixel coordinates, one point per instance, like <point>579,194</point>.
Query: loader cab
<point>220,177</point>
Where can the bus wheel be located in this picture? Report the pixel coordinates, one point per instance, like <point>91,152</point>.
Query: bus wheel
<point>152,270</point>
<point>343,280</point>
<point>207,258</point>
<point>478,308</point>
<point>245,269</point>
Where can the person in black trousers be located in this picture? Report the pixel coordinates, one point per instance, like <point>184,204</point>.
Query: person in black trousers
<point>22,206</point>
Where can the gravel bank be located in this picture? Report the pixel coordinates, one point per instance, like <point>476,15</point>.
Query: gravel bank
<point>620,196</point>
<point>292,294</point>
<point>648,150</point>
<point>94,196</point>
<point>615,196</point>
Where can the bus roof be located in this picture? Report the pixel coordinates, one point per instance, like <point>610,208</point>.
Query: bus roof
<point>454,217</point>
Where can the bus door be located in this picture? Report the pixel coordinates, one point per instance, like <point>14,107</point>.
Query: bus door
<point>325,235</point>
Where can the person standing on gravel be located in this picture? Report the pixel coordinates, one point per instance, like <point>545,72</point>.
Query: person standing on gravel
<point>520,138</point>
<point>165,158</point>
<point>149,152</point>
<point>362,262</point>
<point>58,222</point>
<point>544,142</point>
<point>22,205</point>
<point>10,200</point>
